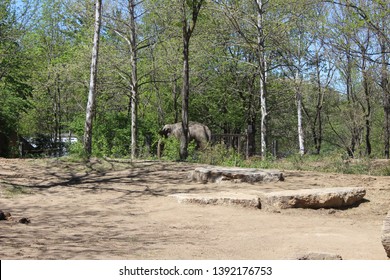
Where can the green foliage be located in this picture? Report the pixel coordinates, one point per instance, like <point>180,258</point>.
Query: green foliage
<point>335,162</point>
<point>14,89</point>
<point>77,149</point>
<point>171,150</point>
<point>44,77</point>
<point>111,135</point>
<point>220,155</point>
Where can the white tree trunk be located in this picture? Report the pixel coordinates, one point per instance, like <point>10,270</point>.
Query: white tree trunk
<point>92,85</point>
<point>298,95</point>
<point>264,113</point>
<point>263,78</point>
<point>301,137</point>
<point>134,80</point>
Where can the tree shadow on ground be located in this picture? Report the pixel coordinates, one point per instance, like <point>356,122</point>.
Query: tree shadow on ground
<point>153,178</point>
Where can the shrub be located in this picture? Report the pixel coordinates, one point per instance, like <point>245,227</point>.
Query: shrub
<point>171,150</point>
<point>220,155</point>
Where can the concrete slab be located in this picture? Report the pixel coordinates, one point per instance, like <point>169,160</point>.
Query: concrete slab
<point>318,256</point>
<point>215,174</point>
<point>237,199</point>
<point>386,234</point>
<point>313,198</point>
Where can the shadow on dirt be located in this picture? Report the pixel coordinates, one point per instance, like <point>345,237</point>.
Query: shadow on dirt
<point>153,178</point>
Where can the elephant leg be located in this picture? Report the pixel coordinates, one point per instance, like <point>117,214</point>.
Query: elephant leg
<point>160,147</point>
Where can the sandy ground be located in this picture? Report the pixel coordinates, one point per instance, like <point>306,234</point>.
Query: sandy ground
<point>111,210</point>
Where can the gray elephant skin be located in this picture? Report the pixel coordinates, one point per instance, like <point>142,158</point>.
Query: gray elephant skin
<point>197,131</point>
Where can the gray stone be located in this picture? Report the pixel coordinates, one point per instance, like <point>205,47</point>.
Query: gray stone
<point>5,215</point>
<point>386,234</point>
<point>244,200</point>
<point>313,198</point>
<point>318,256</point>
<point>214,174</point>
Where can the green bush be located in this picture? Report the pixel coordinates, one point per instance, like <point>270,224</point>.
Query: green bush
<point>171,150</point>
<point>77,150</point>
<point>220,155</point>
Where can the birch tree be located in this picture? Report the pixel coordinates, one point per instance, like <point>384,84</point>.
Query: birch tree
<point>93,80</point>
<point>125,26</point>
<point>261,39</point>
<point>295,53</point>
<point>248,21</point>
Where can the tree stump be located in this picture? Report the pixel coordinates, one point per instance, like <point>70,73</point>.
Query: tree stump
<point>386,234</point>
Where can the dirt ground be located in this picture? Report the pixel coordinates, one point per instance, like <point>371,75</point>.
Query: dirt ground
<point>118,210</point>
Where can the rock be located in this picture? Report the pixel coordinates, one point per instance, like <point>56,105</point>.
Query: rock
<point>313,198</point>
<point>2,216</point>
<point>319,256</point>
<point>5,215</point>
<point>244,200</point>
<point>25,221</point>
<point>249,175</point>
<point>386,234</point>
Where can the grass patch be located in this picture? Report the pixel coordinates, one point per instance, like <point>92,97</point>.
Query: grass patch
<point>10,190</point>
<point>329,163</point>
<point>334,162</point>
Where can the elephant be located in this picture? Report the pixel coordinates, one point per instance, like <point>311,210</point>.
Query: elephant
<point>198,132</point>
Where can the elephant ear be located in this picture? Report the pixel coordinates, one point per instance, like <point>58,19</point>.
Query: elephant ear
<point>166,130</point>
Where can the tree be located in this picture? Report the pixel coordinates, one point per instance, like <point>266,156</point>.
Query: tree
<point>382,13</point>
<point>134,79</point>
<point>129,34</point>
<point>290,45</point>
<point>363,43</point>
<point>93,80</point>
<point>261,43</point>
<point>14,62</point>
<point>189,11</point>
<point>228,60</point>
<point>385,85</point>
<point>247,19</point>
<point>296,61</point>
<point>372,15</point>
<point>340,40</point>
<point>323,76</point>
